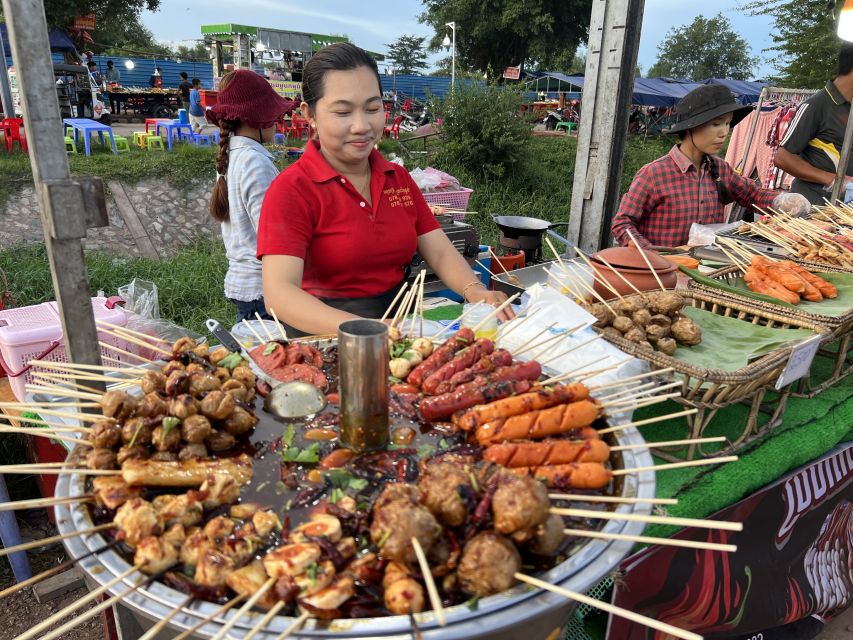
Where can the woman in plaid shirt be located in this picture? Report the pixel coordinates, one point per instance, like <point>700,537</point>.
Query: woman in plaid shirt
<point>690,183</point>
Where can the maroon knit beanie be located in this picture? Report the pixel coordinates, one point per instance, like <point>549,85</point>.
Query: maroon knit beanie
<point>250,99</point>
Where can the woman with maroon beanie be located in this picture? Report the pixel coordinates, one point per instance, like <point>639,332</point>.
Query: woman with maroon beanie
<point>246,111</point>
<point>340,226</point>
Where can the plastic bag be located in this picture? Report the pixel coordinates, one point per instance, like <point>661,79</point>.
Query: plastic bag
<point>140,297</point>
<point>702,235</point>
<point>431,179</point>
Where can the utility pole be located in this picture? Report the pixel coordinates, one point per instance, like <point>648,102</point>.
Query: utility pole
<point>614,40</point>
<point>68,206</point>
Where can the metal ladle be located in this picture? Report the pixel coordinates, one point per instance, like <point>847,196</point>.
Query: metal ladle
<point>295,400</point>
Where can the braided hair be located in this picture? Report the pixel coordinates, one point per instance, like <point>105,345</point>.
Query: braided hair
<point>219,209</point>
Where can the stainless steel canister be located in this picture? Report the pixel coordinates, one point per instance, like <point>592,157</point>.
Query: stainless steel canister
<point>363,370</point>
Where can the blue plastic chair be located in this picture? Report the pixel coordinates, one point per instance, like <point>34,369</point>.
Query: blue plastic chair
<point>279,138</point>
<point>201,139</point>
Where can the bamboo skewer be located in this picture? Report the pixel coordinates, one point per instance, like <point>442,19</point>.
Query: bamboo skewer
<point>633,517</point>
<point>630,401</point>
<point>434,598</point>
<point>90,613</point>
<point>121,335</point>
<point>36,503</point>
<point>403,309</point>
<point>248,605</point>
<point>161,624</point>
<point>568,351</point>
<point>73,366</point>
<point>542,348</point>
<point>570,374</point>
<point>70,378</point>
<point>597,275</point>
<point>294,626</point>
<point>621,277</point>
<point>448,327</point>
<point>60,384</point>
<point>734,260</point>
<point>70,393</point>
<point>639,393</point>
<point>263,622</point>
<point>35,406</point>
<point>503,305</point>
<point>633,389</point>
<point>80,416</point>
<point>270,337</point>
<point>676,465</point>
<point>59,427</point>
<point>63,536</point>
<point>67,611</point>
<point>514,324</point>
<point>419,306</point>
<point>669,443</point>
<point>580,497</point>
<point>595,372</point>
<point>486,269</point>
<point>523,347</point>
<point>640,423</point>
<point>639,376</point>
<point>254,333</point>
<point>393,302</point>
<point>579,281</point>
<point>609,608</point>
<point>59,472</point>
<point>633,405</point>
<point>281,327</point>
<point>138,334</point>
<point>222,610</point>
<point>665,542</point>
<point>43,433</point>
<point>645,259</point>
<point>129,354</point>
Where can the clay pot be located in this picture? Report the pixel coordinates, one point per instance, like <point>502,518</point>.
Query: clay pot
<point>630,264</point>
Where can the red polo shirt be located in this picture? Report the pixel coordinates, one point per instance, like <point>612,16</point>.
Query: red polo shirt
<point>350,249</point>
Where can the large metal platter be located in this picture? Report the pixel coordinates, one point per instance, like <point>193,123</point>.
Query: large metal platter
<point>517,612</point>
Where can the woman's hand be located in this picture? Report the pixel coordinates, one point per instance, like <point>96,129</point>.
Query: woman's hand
<point>494,298</point>
<point>793,204</point>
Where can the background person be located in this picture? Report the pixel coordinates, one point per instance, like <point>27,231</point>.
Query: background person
<point>690,183</point>
<point>196,111</point>
<point>156,79</point>
<point>246,111</point>
<point>811,147</point>
<point>184,89</point>
<point>340,225</point>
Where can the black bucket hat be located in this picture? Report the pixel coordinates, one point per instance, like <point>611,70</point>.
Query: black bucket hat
<point>704,104</point>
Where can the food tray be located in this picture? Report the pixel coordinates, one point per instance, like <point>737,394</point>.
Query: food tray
<point>709,390</point>
<point>505,616</point>
<point>840,327</point>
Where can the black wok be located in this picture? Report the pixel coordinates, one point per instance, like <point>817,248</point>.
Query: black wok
<point>517,226</point>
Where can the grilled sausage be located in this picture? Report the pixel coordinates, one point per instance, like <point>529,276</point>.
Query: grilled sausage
<point>540,399</point>
<point>539,424</point>
<point>440,356</point>
<point>536,454</point>
<point>462,360</point>
<point>469,395</point>
<point>484,366</point>
<point>575,475</point>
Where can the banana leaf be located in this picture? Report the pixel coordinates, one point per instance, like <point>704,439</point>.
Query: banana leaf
<point>833,307</point>
<point>731,344</point>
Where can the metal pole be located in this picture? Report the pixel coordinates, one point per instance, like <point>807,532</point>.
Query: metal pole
<point>614,39</point>
<point>67,206</point>
<point>5,90</point>
<point>452,26</point>
<point>841,172</point>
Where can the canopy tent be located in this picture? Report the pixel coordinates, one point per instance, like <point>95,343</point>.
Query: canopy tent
<point>59,40</point>
<point>650,92</point>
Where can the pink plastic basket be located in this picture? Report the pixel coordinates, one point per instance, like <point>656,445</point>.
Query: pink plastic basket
<point>451,199</point>
<point>35,333</point>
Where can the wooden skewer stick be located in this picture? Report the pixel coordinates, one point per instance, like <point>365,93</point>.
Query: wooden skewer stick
<point>666,542</point>
<point>642,391</point>
<point>68,611</point>
<point>573,372</point>
<point>132,332</point>
<point>628,391</point>
<point>80,416</point>
<point>580,497</point>
<point>153,631</point>
<point>71,470</point>
<point>121,335</point>
<point>514,324</point>
<point>421,298</point>
<point>403,309</point>
<point>584,287</point>
<point>640,423</point>
<point>411,301</point>
<point>633,517</point>
<point>42,433</point>
<point>69,377</point>
<point>621,277</point>
<point>270,336</point>
<point>91,613</point>
<point>222,610</point>
<point>503,305</point>
<point>60,384</point>
<point>393,302</point>
<point>418,313</point>
<point>86,368</point>
<point>676,465</point>
<point>263,622</point>
<point>59,427</point>
<point>526,343</point>
<point>669,443</point>
<point>609,608</point>
<point>596,275</point>
<point>498,260</point>
<point>294,626</point>
<point>248,605</point>
<point>434,598</point>
<point>37,405</point>
<point>645,259</point>
<point>569,350</point>
<point>254,333</point>
<point>621,381</point>
<point>596,372</point>
<point>448,327</point>
<point>630,404</point>
<point>542,346</point>
<point>135,356</point>
<point>280,326</point>
<point>37,503</point>
<point>629,401</point>
<point>63,536</point>
<point>486,269</point>
<point>732,258</point>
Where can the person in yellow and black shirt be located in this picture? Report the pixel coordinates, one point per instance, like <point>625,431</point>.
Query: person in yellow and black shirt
<point>811,148</point>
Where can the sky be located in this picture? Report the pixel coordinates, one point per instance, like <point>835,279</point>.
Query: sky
<point>372,25</point>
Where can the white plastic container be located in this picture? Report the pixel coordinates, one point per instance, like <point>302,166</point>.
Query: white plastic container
<point>245,336</point>
<point>564,278</point>
<point>478,312</point>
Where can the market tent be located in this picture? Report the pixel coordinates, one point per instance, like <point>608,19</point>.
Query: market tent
<point>746,92</point>
<point>648,92</point>
<point>554,81</point>
<point>59,40</point>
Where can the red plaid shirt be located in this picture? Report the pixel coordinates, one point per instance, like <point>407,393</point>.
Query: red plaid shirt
<point>669,194</point>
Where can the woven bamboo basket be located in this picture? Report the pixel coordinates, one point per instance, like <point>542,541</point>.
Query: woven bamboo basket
<point>840,328</point>
<point>709,390</point>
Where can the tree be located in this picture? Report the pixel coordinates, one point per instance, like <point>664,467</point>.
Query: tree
<point>804,39</point>
<point>491,36</point>
<point>706,48</point>
<point>408,54</point>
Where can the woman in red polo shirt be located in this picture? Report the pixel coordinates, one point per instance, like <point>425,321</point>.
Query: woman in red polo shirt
<point>340,225</point>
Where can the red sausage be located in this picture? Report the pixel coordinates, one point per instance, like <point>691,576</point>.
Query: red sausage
<point>461,361</point>
<point>404,388</point>
<point>468,395</point>
<point>463,338</point>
